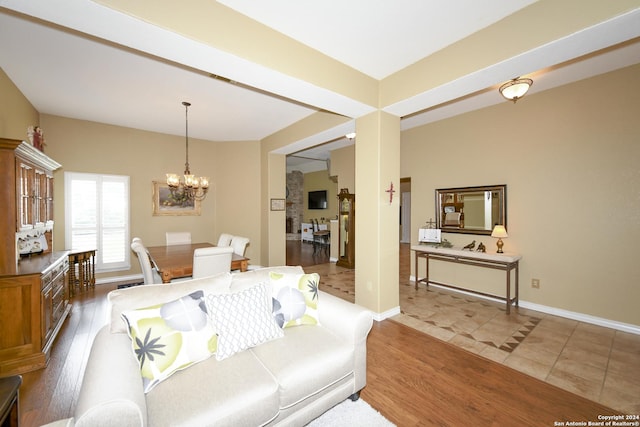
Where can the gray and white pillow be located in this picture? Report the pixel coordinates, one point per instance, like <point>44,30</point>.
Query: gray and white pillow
<point>242,319</point>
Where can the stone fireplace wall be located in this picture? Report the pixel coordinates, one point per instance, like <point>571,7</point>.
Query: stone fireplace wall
<point>295,206</point>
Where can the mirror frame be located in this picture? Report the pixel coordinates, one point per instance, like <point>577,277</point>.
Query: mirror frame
<point>502,207</point>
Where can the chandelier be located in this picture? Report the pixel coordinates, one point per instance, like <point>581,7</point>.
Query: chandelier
<point>193,188</point>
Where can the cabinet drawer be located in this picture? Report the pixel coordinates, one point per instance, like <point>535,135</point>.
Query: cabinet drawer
<point>58,306</point>
<point>45,280</point>
<point>56,274</point>
<point>60,267</point>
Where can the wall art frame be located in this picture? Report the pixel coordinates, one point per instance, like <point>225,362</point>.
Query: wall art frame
<point>165,204</point>
<point>278,204</point>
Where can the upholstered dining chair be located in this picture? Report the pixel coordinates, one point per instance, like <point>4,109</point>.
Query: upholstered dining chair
<point>210,261</point>
<point>224,239</point>
<point>239,244</point>
<point>149,273</point>
<point>178,238</point>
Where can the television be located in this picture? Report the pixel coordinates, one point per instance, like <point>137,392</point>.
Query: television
<point>318,199</point>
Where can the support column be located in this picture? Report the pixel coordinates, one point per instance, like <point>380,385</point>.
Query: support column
<point>377,218</point>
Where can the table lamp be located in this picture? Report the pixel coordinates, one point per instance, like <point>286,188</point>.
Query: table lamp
<point>499,231</point>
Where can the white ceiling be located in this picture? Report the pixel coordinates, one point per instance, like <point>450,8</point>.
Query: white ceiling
<point>78,59</point>
<point>343,29</point>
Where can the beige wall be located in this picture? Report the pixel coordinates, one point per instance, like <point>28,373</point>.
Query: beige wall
<point>377,252</point>
<point>16,112</point>
<point>571,160</point>
<point>232,204</point>
<point>314,181</point>
<point>343,162</point>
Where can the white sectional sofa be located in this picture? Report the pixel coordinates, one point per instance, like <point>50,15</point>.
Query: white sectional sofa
<point>286,381</point>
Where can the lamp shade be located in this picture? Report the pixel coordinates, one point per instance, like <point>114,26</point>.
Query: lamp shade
<point>499,231</point>
<point>515,89</point>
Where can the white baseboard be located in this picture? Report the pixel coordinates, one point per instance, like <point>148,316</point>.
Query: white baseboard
<point>581,317</point>
<point>379,317</point>
<point>114,279</point>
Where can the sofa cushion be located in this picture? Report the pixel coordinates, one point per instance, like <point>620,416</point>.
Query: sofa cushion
<point>295,298</point>
<point>242,319</point>
<point>237,391</point>
<point>149,295</point>
<point>170,337</point>
<point>306,361</point>
<point>240,281</point>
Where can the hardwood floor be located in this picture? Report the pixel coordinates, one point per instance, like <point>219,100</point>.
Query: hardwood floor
<point>416,380</point>
<point>412,379</point>
<point>299,253</point>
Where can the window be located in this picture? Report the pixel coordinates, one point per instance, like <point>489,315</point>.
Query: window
<point>97,216</point>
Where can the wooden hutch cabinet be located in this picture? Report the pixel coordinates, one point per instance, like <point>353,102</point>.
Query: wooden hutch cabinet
<point>35,191</point>
<point>347,229</point>
<point>34,300</point>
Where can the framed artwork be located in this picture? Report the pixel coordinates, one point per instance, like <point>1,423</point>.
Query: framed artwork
<point>277,204</point>
<point>166,204</point>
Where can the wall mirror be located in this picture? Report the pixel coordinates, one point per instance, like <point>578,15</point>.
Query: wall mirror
<point>471,210</point>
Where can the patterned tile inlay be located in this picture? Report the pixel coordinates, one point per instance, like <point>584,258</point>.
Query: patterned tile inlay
<point>341,284</point>
<point>475,319</point>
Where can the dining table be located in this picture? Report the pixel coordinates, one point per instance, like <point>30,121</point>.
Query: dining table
<point>176,261</point>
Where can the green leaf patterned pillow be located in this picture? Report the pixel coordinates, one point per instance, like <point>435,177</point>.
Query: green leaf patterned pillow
<point>295,298</point>
<point>169,337</point>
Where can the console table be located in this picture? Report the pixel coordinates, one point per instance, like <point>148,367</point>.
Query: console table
<point>82,262</point>
<point>505,262</point>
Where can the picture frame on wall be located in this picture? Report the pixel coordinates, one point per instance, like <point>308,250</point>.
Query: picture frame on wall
<point>277,204</point>
<point>165,204</point>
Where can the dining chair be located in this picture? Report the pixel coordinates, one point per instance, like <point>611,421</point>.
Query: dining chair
<point>149,273</point>
<point>210,261</point>
<point>320,238</point>
<point>178,238</point>
<point>239,244</point>
<point>224,239</point>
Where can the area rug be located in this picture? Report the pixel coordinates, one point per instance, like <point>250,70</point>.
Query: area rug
<point>352,414</point>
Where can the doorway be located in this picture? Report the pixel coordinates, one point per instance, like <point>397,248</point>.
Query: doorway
<point>405,210</point>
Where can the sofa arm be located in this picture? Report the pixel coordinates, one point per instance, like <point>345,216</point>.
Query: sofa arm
<point>111,392</point>
<point>351,322</point>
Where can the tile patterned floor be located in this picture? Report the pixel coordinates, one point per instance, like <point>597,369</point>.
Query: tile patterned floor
<point>598,363</point>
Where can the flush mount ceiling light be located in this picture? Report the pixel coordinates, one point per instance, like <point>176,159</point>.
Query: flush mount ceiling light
<point>515,89</point>
<point>192,188</point>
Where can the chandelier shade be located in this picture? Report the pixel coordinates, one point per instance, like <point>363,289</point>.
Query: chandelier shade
<point>515,89</point>
<point>192,188</point>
